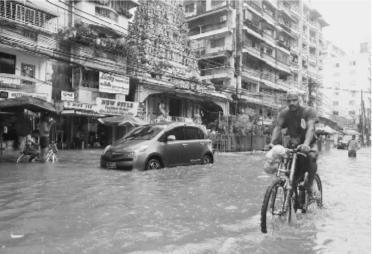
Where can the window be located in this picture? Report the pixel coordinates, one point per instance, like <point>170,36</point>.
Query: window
<point>337,65</point>
<point>178,132</point>
<point>352,112</point>
<point>335,113</point>
<point>335,103</point>
<point>27,70</point>
<point>7,63</point>
<point>193,133</point>
<point>189,8</point>
<point>220,42</point>
<point>352,102</point>
<point>337,93</point>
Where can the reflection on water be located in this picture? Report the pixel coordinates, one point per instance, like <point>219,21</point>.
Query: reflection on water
<point>75,207</point>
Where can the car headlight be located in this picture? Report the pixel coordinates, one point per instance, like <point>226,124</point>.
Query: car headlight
<point>106,149</point>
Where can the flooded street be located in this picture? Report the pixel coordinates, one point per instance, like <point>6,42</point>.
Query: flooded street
<point>74,206</point>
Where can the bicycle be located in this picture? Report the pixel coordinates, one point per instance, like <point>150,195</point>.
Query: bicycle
<point>51,155</point>
<point>286,195</point>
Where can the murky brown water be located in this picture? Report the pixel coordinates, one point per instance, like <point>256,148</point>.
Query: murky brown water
<point>75,207</point>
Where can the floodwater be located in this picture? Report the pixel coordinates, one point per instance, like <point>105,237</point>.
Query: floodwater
<point>73,206</point>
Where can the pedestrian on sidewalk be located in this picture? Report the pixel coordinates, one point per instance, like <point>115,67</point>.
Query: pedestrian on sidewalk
<point>353,147</point>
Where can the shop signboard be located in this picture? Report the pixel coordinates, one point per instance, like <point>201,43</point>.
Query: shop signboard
<point>115,107</point>
<point>191,86</point>
<point>67,96</point>
<point>113,83</point>
<point>9,94</point>
<point>78,106</point>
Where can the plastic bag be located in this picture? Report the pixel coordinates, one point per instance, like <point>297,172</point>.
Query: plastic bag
<point>273,158</point>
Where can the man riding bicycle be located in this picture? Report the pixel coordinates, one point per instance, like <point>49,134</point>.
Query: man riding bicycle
<point>300,124</point>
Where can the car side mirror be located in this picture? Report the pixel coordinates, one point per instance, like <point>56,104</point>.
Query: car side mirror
<point>171,138</point>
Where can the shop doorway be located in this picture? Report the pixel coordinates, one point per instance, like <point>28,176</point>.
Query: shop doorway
<point>175,107</point>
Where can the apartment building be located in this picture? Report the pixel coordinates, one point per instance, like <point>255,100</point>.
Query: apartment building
<point>26,42</point>
<point>70,53</point>
<point>347,82</point>
<point>257,50</point>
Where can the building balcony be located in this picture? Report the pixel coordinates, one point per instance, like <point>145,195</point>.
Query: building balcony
<point>254,51</point>
<point>254,4</point>
<point>268,18</point>
<point>209,30</point>
<point>283,66</point>
<point>251,73</point>
<point>269,39</point>
<point>220,72</point>
<point>202,13</point>
<point>27,16</point>
<point>207,52</point>
<point>270,60</point>
<point>253,30</point>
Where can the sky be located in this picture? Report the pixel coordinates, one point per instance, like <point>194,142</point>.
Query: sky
<point>349,22</point>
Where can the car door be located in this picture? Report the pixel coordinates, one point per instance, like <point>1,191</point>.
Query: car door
<point>174,151</point>
<point>194,144</point>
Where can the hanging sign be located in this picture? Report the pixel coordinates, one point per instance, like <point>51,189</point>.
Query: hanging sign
<point>78,105</point>
<point>113,83</point>
<point>115,107</point>
<point>10,94</point>
<point>67,96</point>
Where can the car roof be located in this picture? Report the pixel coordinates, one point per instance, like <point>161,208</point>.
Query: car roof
<point>169,125</point>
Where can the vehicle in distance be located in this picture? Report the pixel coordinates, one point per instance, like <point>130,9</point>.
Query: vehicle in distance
<point>156,146</point>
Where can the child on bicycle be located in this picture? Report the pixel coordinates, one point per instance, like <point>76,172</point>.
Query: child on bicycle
<point>31,146</point>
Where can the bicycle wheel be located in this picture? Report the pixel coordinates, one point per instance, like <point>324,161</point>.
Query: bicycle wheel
<point>316,199</point>
<point>275,210</point>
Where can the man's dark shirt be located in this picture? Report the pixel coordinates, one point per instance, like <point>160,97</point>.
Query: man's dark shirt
<point>296,123</point>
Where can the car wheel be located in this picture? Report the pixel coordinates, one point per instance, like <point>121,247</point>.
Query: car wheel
<point>207,159</point>
<point>153,163</point>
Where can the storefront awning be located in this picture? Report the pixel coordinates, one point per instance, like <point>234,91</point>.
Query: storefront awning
<point>122,120</point>
<point>330,123</point>
<point>77,112</point>
<point>27,102</point>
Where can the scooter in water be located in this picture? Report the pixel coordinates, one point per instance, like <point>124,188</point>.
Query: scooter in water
<point>34,154</point>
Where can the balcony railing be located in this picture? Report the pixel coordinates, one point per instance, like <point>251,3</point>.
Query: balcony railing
<point>251,26</point>
<point>219,70</point>
<point>26,17</point>
<point>255,4</point>
<point>207,28</point>
<point>252,49</point>
<point>251,72</point>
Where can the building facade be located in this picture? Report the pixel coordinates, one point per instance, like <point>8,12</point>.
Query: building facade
<point>347,84</point>
<point>258,50</point>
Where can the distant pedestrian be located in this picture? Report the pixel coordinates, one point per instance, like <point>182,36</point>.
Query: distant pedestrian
<point>44,130</point>
<point>353,147</point>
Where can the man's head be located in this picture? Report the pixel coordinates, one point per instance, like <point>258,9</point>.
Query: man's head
<point>293,100</point>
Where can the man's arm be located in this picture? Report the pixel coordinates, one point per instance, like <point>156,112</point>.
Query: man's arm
<point>310,132</point>
<point>276,134</point>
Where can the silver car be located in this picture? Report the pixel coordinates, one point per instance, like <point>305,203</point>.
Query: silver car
<point>156,146</point>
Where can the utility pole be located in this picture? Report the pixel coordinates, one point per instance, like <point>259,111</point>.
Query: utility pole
<point>238,51</point>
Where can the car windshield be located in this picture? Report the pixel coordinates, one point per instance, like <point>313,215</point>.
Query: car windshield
<point>143,133</point>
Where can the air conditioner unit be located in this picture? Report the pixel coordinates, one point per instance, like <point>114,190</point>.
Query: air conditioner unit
<point>223,18</point>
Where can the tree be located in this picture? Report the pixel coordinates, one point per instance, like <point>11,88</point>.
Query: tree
<point>158,41</point>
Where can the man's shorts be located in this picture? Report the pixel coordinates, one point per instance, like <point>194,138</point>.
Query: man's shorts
<point>44,142</point>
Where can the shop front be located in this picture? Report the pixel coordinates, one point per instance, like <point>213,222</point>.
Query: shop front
<point>180,101</point>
